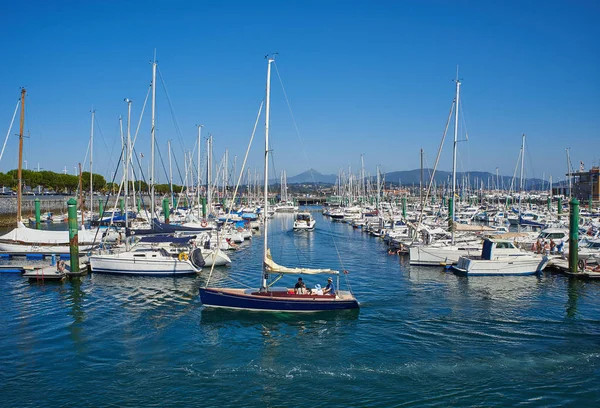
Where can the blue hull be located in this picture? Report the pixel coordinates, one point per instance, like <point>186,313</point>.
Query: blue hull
<point>217,298</point>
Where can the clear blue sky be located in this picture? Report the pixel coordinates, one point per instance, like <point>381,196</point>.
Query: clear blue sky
<point>362,77</point>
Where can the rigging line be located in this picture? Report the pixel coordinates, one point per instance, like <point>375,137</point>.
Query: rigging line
<point>294,122</point>
<point>437,160</point>
<point>171,110</point>
<point>137,130</point>
<point>97,124</point>
<point>238,182</point>
<point>10,128</point>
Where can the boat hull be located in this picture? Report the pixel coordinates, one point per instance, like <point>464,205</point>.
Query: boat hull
<point>125,266</point>
<point>241,299</point>
<point>516,266</point>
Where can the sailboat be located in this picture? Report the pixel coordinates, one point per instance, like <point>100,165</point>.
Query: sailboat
<point>444,253</point>
<point>28,240</point>
<point>269,298</point>
<point>143,259</point>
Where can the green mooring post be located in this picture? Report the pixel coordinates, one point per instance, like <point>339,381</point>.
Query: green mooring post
<point>549,204</point>
<point>139,205</point>
<point>404,207</point>
<point>122,205</point>
<point>574,235</point>
<point>166,209</point>
<point>37,213</point>
<point>559,206</point>
<point>73,235</point>
<point>590,203</point>
<point>450,211</point>
<point>204,207</point>
<point>100,208</point>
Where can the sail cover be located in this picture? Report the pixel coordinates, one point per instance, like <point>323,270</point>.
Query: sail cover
<point>25,235</point>
<point>272,266</point>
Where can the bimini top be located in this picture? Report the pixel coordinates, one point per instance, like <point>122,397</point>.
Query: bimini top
<point>272,266</point>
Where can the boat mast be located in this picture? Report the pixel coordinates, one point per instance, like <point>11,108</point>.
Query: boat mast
<point>522,183</point>
<point>170,174</point>
<point>421,182</point>
<point>454,154</point>
<point>152,129</point>
<point>127,151</point>
<point>209,174</point>
<point>20,170</point>
<point>91,172</point>
<point>266,180</point>
<point>198,166</point>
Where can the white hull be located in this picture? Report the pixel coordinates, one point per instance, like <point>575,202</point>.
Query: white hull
<point>514,265</point>
<point>304,226</point>
<point>128,263</point>
<point>436,256</point>
<point>215,257</point>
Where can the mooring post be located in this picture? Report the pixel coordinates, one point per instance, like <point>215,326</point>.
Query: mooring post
<point>204,207</point>
<point>73,235</point>
<point>559,207</point>
<point>404,207</point>
<point>165,205</point>
<point>122,206</point>
<point>549,204</point>
<point>100,208</point>
<point>574,235</point>
<point>37,213</point>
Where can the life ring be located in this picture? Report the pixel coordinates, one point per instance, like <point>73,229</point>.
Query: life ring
<point>183,256</point>
<point>581,264</point>
<point>61,265</point>
<point>204,223</point>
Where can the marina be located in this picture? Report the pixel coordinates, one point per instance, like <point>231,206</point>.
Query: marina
<point>300,204</point>
<point>420,332</point>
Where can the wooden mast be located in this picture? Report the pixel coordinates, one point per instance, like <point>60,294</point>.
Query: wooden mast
<point>20,171</point>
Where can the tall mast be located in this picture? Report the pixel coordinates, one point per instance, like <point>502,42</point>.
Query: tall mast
<point>127,149</point>
<point>266,180</point>
<point>198,166</point>
<point>209,173</point>
<point>91,169</point>
<point>152,130</point>
<point>522,184</point>
<point>421,182</point>
<point>456,104</point>
<point>170,173</point>
<point>20,171</point>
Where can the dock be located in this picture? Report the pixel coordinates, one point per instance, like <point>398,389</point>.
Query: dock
<point>562,266</point>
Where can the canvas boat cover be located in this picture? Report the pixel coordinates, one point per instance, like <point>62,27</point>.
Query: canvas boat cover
<point>26,235</point>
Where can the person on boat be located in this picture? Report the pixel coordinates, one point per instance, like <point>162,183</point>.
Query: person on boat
<point>552,246</point>
<point>534,247</point>
<point>330,288</point>
<point>547,248</point>
<point>300,287</point>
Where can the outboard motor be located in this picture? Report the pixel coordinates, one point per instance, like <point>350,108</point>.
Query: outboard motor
<point>196,258</point>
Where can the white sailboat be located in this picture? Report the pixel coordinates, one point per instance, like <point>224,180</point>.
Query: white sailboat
<point>143,260</point>
<point>23,239</point>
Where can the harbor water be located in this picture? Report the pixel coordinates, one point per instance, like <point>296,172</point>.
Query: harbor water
<point>423,336</point>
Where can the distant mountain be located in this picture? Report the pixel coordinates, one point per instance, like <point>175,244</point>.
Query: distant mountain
<point>312,176</point>
<point>412,177</point>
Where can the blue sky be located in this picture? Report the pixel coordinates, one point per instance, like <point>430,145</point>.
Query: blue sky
<point>362,77</point>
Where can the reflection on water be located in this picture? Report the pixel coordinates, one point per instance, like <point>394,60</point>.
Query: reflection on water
<point>423,336</point>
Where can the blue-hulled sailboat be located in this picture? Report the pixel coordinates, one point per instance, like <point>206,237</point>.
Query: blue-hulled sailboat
<point>269,298</point>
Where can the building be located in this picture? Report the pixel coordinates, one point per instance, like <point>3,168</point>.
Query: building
<point>585,184</point>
